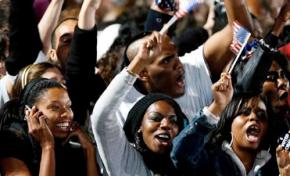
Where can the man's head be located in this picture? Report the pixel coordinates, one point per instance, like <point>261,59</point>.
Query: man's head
<point>165,74</point>
<point>60,41</point>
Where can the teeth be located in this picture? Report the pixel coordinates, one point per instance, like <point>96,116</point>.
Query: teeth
<point>164,136</point>
<point>64,124</point>
<point>253,130</point>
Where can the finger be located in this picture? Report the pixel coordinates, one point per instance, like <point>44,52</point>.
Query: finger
<point>279,149</point>
<point>42,120</point>
<point>71,134</point>
<point>34,118</point>
<point>29,123</point>
<point>157,37</point>
<point>74,129</point>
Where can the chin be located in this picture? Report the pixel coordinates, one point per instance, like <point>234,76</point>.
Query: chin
<point>61,135</point>
<point>177,94</point>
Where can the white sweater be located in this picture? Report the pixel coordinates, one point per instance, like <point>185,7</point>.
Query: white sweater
<point>118,156</point>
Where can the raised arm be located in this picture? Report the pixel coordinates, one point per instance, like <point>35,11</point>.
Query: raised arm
<point>24,38</point>
<point>217,48</point>
<point>48,22</point>
<point>81,62</point>
<point>281,19</point>
<point>189,153</point>
<point>113,146</point>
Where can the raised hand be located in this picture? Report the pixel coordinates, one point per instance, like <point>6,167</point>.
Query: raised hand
<point>222,93</point>
<point>281,19</point>
<point>285,12</point>
<point>146,52</point>
<point>81,135</point>
<point>38,128</point>
<point>283,160</point>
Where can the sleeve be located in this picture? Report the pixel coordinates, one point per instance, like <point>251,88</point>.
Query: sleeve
<point>82,83</point>
<point>24,38</point>
<point>189,154</point>
<point>118,156</point>
<point>249,75</point>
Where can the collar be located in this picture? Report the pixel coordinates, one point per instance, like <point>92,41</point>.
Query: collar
<point>261,159</point>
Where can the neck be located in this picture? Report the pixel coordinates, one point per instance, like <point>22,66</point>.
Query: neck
<point>159,163</point>
<point>246,156</point>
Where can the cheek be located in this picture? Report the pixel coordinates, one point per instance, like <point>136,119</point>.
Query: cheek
<point>237,128</point>
<point>265,129</point>
<point>163,79</point>
<point>269,87</point>
<point>51,119</point>
<point>62,53</point>
<point>175,131</point>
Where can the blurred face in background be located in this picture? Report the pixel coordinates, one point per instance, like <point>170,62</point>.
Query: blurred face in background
<point>276,88</point>
<point>61,44</point>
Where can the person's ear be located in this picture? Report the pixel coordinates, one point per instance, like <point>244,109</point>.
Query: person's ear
<point>140,130</point>
<point>52,56</point>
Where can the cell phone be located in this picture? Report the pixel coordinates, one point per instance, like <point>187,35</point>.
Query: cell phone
<point>27,108</point>
<point>285,141</point>
<point>167,5</point>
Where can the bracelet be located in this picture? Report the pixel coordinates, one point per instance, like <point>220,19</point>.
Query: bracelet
<point>132,73</point>
<point>267,46</point>
<point>131,78</point>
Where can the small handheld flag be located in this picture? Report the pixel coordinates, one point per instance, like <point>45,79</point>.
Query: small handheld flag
<point>185,6</point>
<point>240,39</point>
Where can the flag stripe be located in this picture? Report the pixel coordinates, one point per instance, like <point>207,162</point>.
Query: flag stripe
<point>239,36</point>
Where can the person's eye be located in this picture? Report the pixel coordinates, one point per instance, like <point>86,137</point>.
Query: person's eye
<point>156,117</point>
<point>55,108</point>
<point>173,118</point>
<point>167,60</point>
<point>282,74</point>
<point>246,111</point>
<point>262,115</point>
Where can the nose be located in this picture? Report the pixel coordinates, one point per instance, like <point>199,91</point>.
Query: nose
<point>253,116</point>
<point>177,64</point>
<point>165,124</point>
<point>283,83</point>
<point>67,114</point>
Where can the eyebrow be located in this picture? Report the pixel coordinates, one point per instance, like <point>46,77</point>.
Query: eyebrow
<point>162,114</point>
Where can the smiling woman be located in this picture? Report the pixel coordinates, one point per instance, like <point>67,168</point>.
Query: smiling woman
<point>35,130</point>
<point>152,124</point>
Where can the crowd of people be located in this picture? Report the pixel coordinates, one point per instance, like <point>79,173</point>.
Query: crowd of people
<point>92,87</point>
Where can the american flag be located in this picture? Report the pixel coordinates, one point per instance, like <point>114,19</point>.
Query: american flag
<point>241,36</point>
<point>186,6</point>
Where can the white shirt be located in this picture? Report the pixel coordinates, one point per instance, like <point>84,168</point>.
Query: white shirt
<point>198,92</point>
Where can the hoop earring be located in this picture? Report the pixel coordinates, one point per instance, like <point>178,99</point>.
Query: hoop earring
<point>139,143</point>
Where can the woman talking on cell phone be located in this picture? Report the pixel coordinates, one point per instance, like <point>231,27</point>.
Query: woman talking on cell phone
<point>36,131</point>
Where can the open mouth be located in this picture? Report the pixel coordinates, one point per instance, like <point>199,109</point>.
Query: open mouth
<point>180,80</point>
<point>253,133</point>
<point>282,94</point>
<point>163,139</point>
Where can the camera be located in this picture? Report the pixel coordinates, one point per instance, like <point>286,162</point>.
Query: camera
<point>167,5</point>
